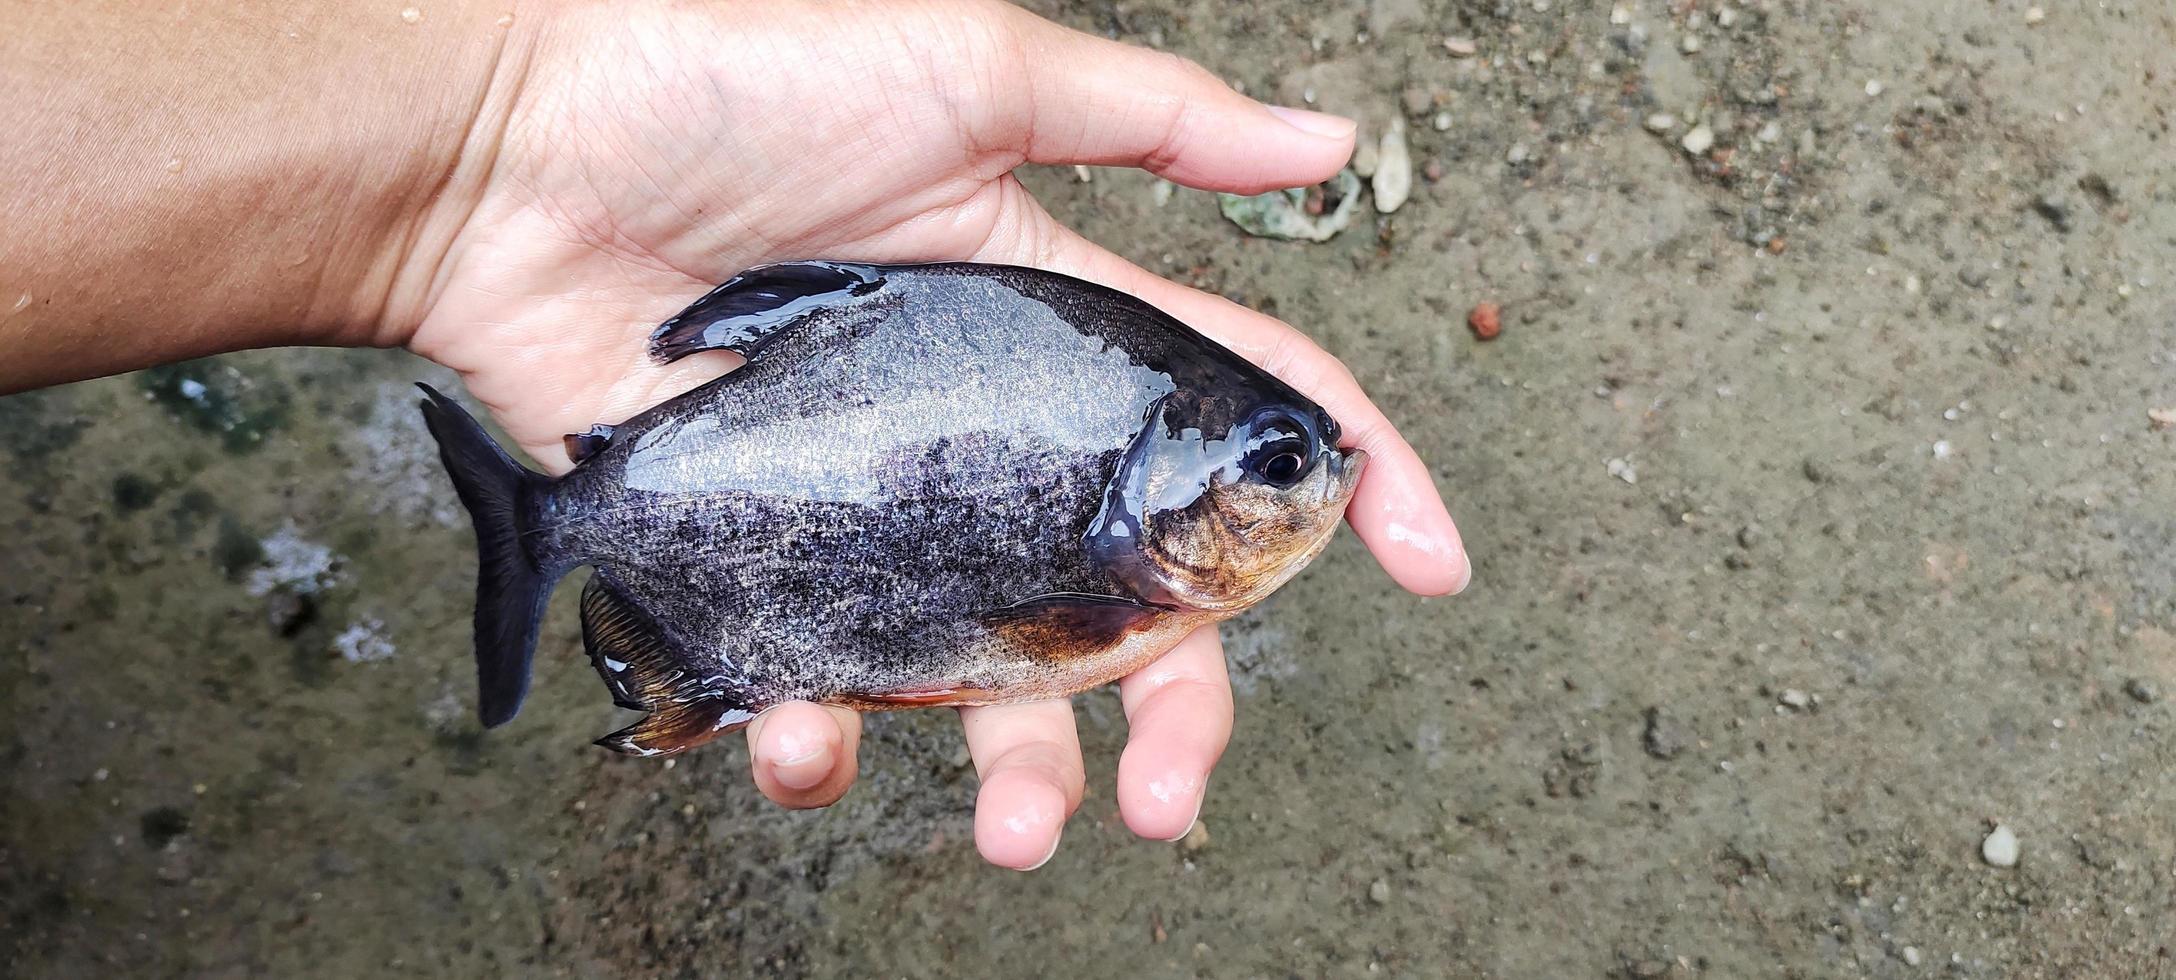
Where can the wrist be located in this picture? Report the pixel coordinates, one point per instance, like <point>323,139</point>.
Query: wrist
<point>209,179</point>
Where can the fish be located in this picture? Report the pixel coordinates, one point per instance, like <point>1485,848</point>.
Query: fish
<point>943,484</point>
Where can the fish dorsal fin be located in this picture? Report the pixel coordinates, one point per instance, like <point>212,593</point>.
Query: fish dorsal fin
<point>751,309</point>
<point>646,671</point>
<point>1064,625</point>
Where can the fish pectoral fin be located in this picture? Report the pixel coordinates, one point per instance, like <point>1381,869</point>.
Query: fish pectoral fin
<point>1063,625</point>
<point>646,671</point>
<point>583,445</point>
<point>753,308</point>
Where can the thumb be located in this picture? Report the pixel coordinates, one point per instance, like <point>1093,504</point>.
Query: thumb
<point>1095,101</point>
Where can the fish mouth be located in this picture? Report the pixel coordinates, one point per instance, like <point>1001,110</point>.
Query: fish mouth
<point>1345,469</point>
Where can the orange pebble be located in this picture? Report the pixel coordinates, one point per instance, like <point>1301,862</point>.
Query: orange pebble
<point>1487,320</point>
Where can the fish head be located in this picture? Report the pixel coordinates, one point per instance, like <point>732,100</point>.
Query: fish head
<point>1215,514</point>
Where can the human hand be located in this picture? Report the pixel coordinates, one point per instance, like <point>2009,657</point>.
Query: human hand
<point>524,196</point>
<point>652,152</point>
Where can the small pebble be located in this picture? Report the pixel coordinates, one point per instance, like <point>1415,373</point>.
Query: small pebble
<point>2034,15</point>
<point>1690,44</point>
<point>2000,847</point>
<point>2142,690</point>
<point>1911,956</point>
<point>1699,141</point>
<point>1196,839</point>
<point>2162,418</point>
<point>1770,133</point>
<point>1795,699</point>
<point>1442,122</point>
<point>1874,87</point>
<point>1461,47</point>
<point>1623,470</point>
<point>1486,320</point>
<point>1661,122</point>
<point>1393,182</point>
<point>1517,154</point>
<point>1379,892</point>
<point>1727,17</point>
<point>1433,171</point>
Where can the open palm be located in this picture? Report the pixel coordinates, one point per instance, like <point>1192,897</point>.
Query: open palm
<point>645,154</point>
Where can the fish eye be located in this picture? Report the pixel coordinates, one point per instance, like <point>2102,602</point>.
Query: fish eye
<point>1283,468</point>
<point>1280,453</point>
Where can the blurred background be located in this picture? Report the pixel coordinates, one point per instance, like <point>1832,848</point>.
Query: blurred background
<point>1821,484</point>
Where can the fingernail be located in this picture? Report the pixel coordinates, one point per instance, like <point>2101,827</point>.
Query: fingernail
<point>802,766</point>
<point>1465,572</point>
<point>1190,821</point>
<point>1047,855</point>
<point>1315,123</point>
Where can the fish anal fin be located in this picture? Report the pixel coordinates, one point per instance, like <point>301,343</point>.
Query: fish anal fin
<point>678,726</point>
<point>750,310</point>
<point>1065,625</point>
<point>583,445</point>
<point>646,670</point>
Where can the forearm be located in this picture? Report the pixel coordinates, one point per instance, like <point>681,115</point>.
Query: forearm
<point>188,178</point>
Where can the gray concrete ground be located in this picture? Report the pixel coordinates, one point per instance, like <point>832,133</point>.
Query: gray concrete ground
<point>1820,521</point>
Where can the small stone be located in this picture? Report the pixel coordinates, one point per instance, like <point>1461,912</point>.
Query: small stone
<point>1726,17</point>
<point>1442,122</point>
<point>2000,848</point>
<point>2054,210</point>
<point>1770,133</point>
<point>1941,449</point>
<point>1197,837</point>
<point>1379,892</point>
<point>2034,15</point>
<point>1690,44</point>
<point>1433,171</point>
<point>1620,15</point>
<point>1366,157</point>
<point>1661,122</point>
<point>1663,738</point>
<point>1623,470</point>
<point>1700,140</point>
<point>1393,182</point>
<point>2162,418</point>
<point>2142,690</point>
<point>1486,320</point>
<point>1874,88</point>
<point>1517,154</point>
<point>1461,47</point>
<point>1648,969</point>
<point>1795,699</point>
<point>1911,956</point>
<point>1417,100</point>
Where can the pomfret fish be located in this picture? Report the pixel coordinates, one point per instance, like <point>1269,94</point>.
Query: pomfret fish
<point>930,485</point>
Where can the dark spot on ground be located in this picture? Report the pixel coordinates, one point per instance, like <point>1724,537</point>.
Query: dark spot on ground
<point>132,492</point>
<point>162,824</point>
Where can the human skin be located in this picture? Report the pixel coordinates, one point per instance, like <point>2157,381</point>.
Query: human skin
<point>521,191</point>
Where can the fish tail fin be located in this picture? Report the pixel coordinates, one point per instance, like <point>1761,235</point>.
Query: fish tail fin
<point>511,584</point>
